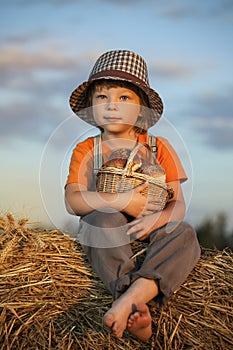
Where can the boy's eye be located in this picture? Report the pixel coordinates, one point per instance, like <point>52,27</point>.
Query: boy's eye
<point>124,98</point>
<point>101,97</point>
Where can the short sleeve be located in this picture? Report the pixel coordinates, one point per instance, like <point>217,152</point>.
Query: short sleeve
<point>169,160</point>
<point>81,165</point>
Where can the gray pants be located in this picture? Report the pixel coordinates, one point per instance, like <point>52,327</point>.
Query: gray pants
<point>172,252</point>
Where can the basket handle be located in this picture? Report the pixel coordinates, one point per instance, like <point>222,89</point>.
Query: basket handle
<point>128,167</point>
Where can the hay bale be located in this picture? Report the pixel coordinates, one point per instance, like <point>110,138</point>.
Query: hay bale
<point>51,299</point>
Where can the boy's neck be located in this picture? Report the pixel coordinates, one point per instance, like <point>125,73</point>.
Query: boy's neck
<point>120,142</point>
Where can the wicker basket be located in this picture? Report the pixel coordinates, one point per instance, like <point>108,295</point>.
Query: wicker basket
<point>115,179</point>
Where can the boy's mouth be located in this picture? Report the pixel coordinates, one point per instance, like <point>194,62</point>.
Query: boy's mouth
<point>112,119</point>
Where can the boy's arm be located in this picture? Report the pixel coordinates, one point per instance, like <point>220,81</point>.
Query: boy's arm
<point>80,201</point>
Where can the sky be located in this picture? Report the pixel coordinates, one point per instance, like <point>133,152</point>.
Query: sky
<point>47,48</point>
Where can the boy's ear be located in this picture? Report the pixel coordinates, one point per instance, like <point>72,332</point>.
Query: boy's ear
<point>140,121</point>
<point>140,117</point>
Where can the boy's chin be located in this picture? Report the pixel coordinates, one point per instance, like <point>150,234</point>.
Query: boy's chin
<point>117,128</point>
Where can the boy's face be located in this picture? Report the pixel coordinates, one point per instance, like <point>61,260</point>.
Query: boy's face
<point>115,109</point>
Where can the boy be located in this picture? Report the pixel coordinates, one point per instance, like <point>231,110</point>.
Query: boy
<point>117,98</point>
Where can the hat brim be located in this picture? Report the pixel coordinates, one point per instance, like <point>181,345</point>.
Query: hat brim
<point>79,107</point>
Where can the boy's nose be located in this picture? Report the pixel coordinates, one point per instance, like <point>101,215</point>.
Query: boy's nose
<point>112,104</point>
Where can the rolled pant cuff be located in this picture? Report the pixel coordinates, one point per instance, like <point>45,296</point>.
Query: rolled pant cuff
<point>123,283</point>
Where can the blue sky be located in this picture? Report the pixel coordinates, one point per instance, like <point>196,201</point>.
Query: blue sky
<point>47,48</point>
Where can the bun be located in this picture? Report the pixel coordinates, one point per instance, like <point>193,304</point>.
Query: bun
<point>119,159</point>
<point>116,162</point>
<point>120,153</point>
<point>152,170</point>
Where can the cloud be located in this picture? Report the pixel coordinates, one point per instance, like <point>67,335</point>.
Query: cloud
<point>22,39</point>
<point>179,11</point>
<point>74,2</point>
<point>180,70</point>
<point>36,120</point>
<point>35,89</point>
<point>52,2</point>
<point>220,102</point>
<point>174,10</point>
<point>173,70</point>
<point>28,121</point>
<point>37,76</point>
<point>18,58</point>
<point>218,131</point>
<point>213,118</point>
<point>42,71</point>
<point>25,52</point>
<point>205,9</point>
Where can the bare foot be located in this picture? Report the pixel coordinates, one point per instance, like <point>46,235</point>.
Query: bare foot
<point>139,322</point>
<point>130,310</point>
<point>116,318</point>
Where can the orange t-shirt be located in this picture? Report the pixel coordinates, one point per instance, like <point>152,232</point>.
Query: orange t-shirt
<point>82,161</point>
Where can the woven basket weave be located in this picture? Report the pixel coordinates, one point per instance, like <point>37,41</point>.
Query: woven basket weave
<point>113,179</point>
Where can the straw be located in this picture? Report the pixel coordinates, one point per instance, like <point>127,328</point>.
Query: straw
<point>51,299</point>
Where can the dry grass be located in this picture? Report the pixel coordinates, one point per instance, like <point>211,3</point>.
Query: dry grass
<point>50,298</point>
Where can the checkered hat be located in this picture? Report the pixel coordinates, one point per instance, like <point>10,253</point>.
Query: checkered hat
<point>119,65</point>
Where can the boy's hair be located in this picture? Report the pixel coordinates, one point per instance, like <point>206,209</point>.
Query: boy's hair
<point>141,126</point>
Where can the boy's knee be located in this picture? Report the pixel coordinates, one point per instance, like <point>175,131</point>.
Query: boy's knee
<point>190,238</point>
<point>188,230</point>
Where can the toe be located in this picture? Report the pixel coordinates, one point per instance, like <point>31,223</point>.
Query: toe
<point>129,323</point>
<point>117,331</point>
<point>136,316</point>
<point>108,320</point>
<point>142,308</point>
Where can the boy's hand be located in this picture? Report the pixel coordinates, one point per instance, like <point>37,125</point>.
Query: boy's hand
<point>139,204</point>
<point>142,227</point>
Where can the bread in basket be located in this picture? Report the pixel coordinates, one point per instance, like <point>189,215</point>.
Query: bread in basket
<point>125,170</point>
